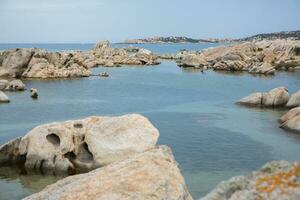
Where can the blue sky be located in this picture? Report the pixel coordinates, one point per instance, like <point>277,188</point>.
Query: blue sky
<point>50,21</point>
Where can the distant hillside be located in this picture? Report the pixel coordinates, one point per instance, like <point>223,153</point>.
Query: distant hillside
<point>173,39</point>
<point>271,36</point>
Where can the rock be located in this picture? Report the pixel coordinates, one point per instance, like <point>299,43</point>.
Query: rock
<point>9,152</point>
<point>191,60</point>
<point>86,144</point>
<point>291,120</point>
<point>15,62</point>
<point>294,100</point>
<point>3,84</point>
<point>167,56</point>
<point>289,115</point>
<point>55,65</point>
<point>3,98</point>
<point>274,98</point>
<point>150,175</point>
<point>15,85</point>
<point>132,49</point>
<point>254,99</point>
<point>265,68</point>
<point>276,180</point>
<point>104,74</point>
<point>34,93</point>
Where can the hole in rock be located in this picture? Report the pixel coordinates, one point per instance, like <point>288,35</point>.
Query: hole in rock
<point>70,155</point>
<point>84,153</point>
<point>78,125</point>
<point>53,139</point>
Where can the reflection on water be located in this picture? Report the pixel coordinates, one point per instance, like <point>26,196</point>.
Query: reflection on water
<point>16,184</point>
<point>212,137</point>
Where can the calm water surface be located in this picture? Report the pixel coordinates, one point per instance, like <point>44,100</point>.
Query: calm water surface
<point>212,138</point>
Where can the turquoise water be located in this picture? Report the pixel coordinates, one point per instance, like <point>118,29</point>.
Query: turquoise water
<point>212,138</point>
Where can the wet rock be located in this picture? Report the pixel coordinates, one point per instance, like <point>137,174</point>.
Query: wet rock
<point>34,93</point>
<point>153,174</point>
<point>274,98</point>
<point>294,100</point>
<point>97,141</point>
<point>291,120</point>
<point>4,98</point>
<point>15,85</point>
<point>104,74</point>
<point>276,180</point>
<point>9,152</point>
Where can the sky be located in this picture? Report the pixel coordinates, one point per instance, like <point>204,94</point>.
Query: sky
<point>88,21</point>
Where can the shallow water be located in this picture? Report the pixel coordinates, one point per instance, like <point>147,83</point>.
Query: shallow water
<point>212,138</point>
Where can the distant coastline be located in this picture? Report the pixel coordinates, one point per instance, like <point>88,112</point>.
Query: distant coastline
<point>184,40</point>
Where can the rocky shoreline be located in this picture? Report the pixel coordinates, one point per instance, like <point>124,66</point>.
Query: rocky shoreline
<point>43,64</point>
<point>263,57</point>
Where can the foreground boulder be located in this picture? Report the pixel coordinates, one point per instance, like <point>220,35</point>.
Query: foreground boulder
<point>274,98</point>
<point>264,57</point>
<point>294,100</point>
<point>3,98</point>
<point>83,144</point>
<point>278,180</point>
<point>291,120</point>
<point>150,175</point>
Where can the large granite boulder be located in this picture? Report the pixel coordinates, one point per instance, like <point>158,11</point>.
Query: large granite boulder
<point>274,98</point>
<point>291,120</point>
<point>14,62</point>
<point>294,100</point>
<point>277,180</point>
<point>4,98</point>
<point>152,175</point>
<point>85,144</point>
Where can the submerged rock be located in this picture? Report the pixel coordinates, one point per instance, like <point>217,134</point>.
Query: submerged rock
<point>274,98</point>
<point>85,144</point>
<point>4,98</point>
<point>291,120</point>
<point>277,180</point>
<point>150,175</point>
